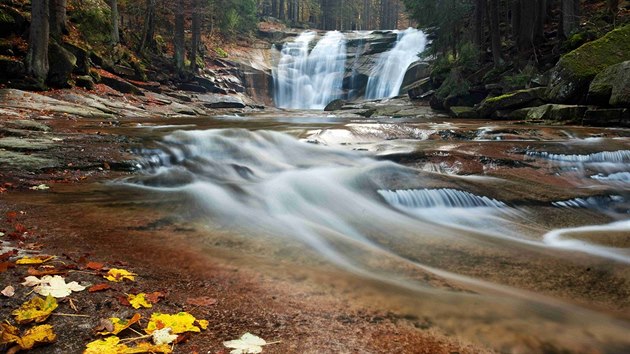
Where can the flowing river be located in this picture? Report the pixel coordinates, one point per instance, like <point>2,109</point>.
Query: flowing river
<point>515,237</point>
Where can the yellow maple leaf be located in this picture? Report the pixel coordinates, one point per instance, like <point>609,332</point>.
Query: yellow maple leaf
<point>33,260</point>
<point>118,275</point>
<point>138,301</point>
<point>203,324</point>
<point>36,309</point>
<point>42,334</point>
<point>121,325</point>
<point>8,334</point>
<point>178,323</point>
<point>112,345</point>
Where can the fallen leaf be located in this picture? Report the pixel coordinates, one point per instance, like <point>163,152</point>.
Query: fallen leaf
<point>111,345</point>
<point>38,273</point>
<point>37,335</point>
<point>54,285</point>
<point>6,255</point>
<point>36,309</point>
<point>99,287</point>
<point>8,334</point>
<point>179,323</point>
<point>248,343</point>
<point>118,275</point>
<point>203,324</point>
<point>34,260</point>
<point>119,325</point>
<point>201,301</point>
<point>9,291</point>
<point>154,297</point>
<point>1,234</point>
<point>163,336</point>
<point>40,187</point>
<point>94,265</point>
<point>4,266</point>
<point>138,301</point>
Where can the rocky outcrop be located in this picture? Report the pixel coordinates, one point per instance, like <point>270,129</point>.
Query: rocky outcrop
<point>416,72</point>
<point>611,117</point>
<point>220,101</point>
<point>62,64</point>
<point>82,56</point>
<point>611,86</point>
<point>334,105</point>
<point>572,75</point>
<point>120,85</point>
<point>510,101</point>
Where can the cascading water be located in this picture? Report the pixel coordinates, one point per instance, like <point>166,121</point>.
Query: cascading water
<point>307,79</point>
<point>389,72</point>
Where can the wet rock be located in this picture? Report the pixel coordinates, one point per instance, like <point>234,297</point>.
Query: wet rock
<point>25,144</point>
<point>611,86</point>
<point>469,99</point>
<point>179,95</point>
<point>521,114</point>
<point>62,64</point>
<point>417,71</point>
<point>510,101</point>
<point>28,125</point>
<point>152,86</point>
<point>25,161</point>
<point>82,58</point>
<point>418,88</point>
<point>124,71</point>
<point>121,85</point>
<point>334,105</point>
<point>11,98</point>
<point>11,69</point>
<point>84,81</point>
<point>209,85</point>
<point>566,113</point>
<point>436,103</point>
<point>258,84</point>
<point>462,112</point>
<point>220,101</point>
<point>613,117</point>
<point>572,75</point>
<point>187,86</point>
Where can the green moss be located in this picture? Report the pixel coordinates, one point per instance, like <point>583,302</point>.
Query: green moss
<point>593,57</point>
<point>499,98</point>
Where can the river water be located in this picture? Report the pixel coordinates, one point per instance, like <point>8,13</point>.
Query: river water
<point>515,237</point>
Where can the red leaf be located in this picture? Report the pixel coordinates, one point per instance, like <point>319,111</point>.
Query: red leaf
<point>123,301</point>
<point>154,297</point>
<point>11,215</point>
<point>7,255</point>
<point>99,287</point>
<point>6,265</point>
<point>20,228</point>
<point>94,265</point>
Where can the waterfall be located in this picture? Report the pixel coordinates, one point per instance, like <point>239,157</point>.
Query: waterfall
<point>437,198</point>
<point>389,72</point>
<point>310,80</point>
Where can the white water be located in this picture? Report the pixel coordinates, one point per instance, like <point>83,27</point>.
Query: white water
<point>389,72</point>
<point>307,79</point>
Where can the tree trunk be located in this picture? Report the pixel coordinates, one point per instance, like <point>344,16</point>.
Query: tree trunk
<point>366,15</point>
<point>274,8</point>
<point>570,10</point>
<point>196,33</point>
<point>148,29</point>
<point>37,57</point>
<point>480,11</point>
<point>541,19</point>
<point>178,38</point>
<point>527,12</point>
<point>495,31</point>
<point>57,18</point>
<point>515,11</point>
<point>282,14</point>
<point>115,33</point>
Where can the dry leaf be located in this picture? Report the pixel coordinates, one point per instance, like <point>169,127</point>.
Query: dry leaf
<point>36,309</point>
<point>154,297</point>
<point>39,273</point>
<point>99,287</point>
<point>9,291</point>
<point>37,335</point>
<point>201,301</point>
<point>8,334</point>
<point>52,285</point>
<point>34,260</point>
<point>94,265</point>
<point>111,345</point>
<point>118,275</point>
<point>138,301</point>
<point>179,323</point>
<point>163,336</point>
<point>248,343</point>
<point>119,325</point>
<point>6,265</point>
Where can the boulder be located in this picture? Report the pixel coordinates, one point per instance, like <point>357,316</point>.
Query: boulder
<point>611,86</point>
<point>62,63</point>
<point>10,69</point>
<point>462,112</point>
<point>84,81</point>
<point>416,71</point>
<point>83,58</point>
<point>209,85</point>
<point>220,101</point>
<point>13,21</point>
<point>416,89</point>
<point>187,86</point>
<point>510,101</point>
<point>121,85</point>
<point>469,99</point>
<point>572,75</point>
<point>124,71</point>
<point>567,113</point>
<point>334,105</point>
<point>613,117</point>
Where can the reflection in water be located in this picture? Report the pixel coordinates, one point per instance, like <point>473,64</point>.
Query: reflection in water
<point>370,218</point>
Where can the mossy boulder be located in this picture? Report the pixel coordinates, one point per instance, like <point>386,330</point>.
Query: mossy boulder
<point>12,21</point>
<point>611,86</point>
<point>510,101</point>
<point>334,105</point>
<point>571,76</point>
<point>62,64</point>
<point>462,112</point>
<point>83,58</point>
<point>10,69</point>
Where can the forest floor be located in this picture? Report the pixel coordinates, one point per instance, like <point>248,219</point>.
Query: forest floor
<point>56,212</point>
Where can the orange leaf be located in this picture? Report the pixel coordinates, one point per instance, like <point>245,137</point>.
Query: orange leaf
<point>6,265</point>
<point>39,273</point>
<point>154,297</point>
<point>201,301</point>
<point>99,287</point>
<point>94,265</point>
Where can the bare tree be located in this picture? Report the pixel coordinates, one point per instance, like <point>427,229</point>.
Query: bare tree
<point>178,38</point>
<point>113,4</point>
<point>37,57</point>
<point>57,18</point>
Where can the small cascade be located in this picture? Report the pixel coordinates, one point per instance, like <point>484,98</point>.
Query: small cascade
<point>389,72</point>
<point>307,79</point>
<point>440,198</point>
<point>619,156</point>
<point>623,177</point>
<point>597,202</point>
